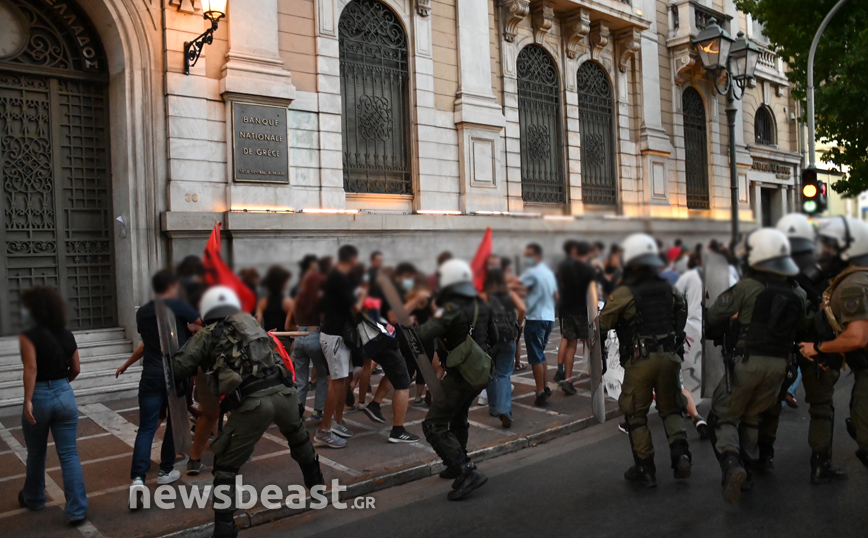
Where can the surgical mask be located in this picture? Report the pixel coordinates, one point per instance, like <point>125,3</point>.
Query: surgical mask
<point>529,262</point>
<point>407,284</point>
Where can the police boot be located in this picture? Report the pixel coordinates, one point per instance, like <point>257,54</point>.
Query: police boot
<point>681,459</point>
<point>471,478</point>
<point>822,470</point>
<point>851,428</point>
<point>450,473</point>
<point>644,473</point>
<point>734,476</point>
<point>766,462</point>
<point>312,474</point>
<point>224,525</point>
<point>862,454</point>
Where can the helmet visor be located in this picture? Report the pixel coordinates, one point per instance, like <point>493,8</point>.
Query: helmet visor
<point>800,245</point>
<point>781,266</point>
<point>648,260</point>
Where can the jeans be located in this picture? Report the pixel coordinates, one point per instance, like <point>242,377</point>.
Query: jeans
<point>54,409</point>
<point>305,351</point>
<point>536,338</point>
<point>152,397</point>
<point>500,388</point>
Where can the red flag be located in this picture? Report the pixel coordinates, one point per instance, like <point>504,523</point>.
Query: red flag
<point>480,270</point>
<point>217,273</point>
<point>284,355</point>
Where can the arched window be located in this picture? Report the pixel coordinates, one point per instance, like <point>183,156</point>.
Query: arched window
<point>539,118</point>
<point>374,99</point>
<point>764,127</point>
<point>596,120</point>
<point>695,149</point>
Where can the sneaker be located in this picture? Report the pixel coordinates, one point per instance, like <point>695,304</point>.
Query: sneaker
<point>541,399</point>
<point>351,398</point>
<point>138,490</point>
<point>194,467</point>
<point>374,413</point>
<point>560,376</point>
<point>483,398</point>
<point>315,417</point>
<point>791,401</point>
<point>341,430</point>
<point>624,427</point>
<point>568,388</point>
<point>377,371</point>
<point>701,427</point>
<point>164,478</point>
<point>402,436</point>
<point>548,391</point>
<point>418,400</point>
<point>505,421</point>
<point>327,438</point>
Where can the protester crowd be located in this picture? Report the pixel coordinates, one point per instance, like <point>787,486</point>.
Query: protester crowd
<point>339,329</point>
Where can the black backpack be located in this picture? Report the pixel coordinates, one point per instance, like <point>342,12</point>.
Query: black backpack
<point>504,319</point>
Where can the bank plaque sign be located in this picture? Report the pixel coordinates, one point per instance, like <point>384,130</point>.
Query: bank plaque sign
<point>259,142</point>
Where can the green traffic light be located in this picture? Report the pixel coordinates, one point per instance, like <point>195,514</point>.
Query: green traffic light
<point>809,206</point>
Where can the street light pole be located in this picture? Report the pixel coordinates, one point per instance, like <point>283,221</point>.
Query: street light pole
<point>731,113</point>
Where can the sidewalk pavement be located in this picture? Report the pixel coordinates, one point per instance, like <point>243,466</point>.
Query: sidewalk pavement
<point>107,432</point>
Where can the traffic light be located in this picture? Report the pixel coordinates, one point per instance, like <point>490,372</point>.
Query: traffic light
<point>813,193</point>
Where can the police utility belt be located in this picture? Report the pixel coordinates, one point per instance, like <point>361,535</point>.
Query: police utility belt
<point>253,384</point>
<point>644,347</point>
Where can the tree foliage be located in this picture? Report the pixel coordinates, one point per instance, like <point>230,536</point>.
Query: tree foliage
<point>840,74</point>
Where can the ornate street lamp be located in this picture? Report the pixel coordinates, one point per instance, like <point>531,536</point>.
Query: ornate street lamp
<point>737,59</point>
<point>213,10</point>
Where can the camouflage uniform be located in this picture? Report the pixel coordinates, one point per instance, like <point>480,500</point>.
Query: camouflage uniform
<point>238,350</point>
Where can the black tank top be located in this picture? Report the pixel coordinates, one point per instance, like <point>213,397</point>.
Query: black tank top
<point>273,316</point>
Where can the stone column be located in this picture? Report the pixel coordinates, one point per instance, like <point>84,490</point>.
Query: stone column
<point>478,117</point>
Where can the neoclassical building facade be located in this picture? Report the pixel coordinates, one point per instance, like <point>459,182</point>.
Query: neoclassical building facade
<point>403,125</point>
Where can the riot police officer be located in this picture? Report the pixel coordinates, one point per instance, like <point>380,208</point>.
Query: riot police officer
<point>768,310</point>
<point>819,382</point>
<point>239,364</point>
<point>649,316</point>
<point>845,304</point>
<point>464,330</point>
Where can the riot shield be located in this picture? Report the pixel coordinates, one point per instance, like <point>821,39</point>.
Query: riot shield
<point>168,329</point>
<point>595,355</point>
<point>715,280</point>
<point>405,326</point>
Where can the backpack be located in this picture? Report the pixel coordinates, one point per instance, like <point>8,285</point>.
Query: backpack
<point>504,319</point>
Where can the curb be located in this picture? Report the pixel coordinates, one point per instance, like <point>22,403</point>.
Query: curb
<point>397,478</point>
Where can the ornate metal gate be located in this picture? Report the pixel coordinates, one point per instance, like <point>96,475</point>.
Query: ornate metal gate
<point>596,124</point>
<point>695,149</point>
<point>539,118</point>
<point>54,164</point>
<point>374,103</point>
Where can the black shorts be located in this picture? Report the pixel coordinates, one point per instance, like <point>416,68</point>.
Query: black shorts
<point>394,366</point>
<point>574,326</point>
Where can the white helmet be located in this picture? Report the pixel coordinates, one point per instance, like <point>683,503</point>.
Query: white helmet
<point>219,302</point>
<point>641,249</point>
<point>857,253</point>
<point>799,231</point>
<point>457,276</point>
<point>835,231</point>
<point>768,250</point>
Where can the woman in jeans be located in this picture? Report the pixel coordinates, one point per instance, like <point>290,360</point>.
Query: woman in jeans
<point>50,357</point>
<point>500,389</point>
<point>307,349</point>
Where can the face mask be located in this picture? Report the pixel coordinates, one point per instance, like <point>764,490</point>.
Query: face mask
<point>366,278</point>
<point>26,318</point>
<point>407,284</point>
<point>529,262</point>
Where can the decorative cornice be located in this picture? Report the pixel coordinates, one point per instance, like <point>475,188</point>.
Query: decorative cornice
<point>543,18</point>
<point>187,6</point>
<point>576,26</point>
<point>630,41</point>
<point>423,7</point>
<point>514,11</point>
<point>599,37</point>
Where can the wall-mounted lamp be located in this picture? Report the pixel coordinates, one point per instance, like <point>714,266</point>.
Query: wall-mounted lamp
<point>213,10</point>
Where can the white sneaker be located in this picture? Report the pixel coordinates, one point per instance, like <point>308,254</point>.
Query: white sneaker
<point>138,492</point>
<point>483,397</point>
<point>168,478</point>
